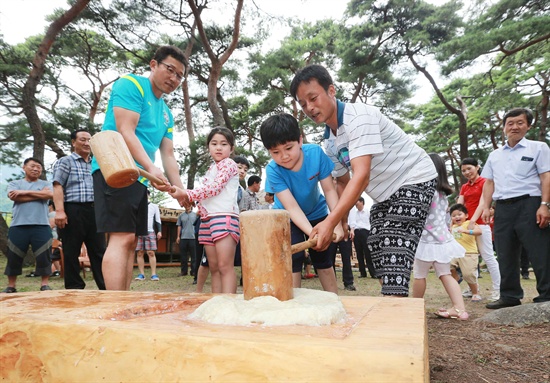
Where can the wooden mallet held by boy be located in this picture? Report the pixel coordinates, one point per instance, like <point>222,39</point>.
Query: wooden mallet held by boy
<point>267,254</point>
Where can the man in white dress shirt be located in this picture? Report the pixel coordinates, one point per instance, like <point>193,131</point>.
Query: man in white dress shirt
<point>359,223</point>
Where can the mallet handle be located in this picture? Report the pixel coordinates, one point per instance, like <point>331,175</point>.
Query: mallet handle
<point>301,246</point>
<point>154,179</point>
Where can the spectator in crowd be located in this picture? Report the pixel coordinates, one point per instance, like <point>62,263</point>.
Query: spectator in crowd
<point>518,179</point>
<point>467,238</point>
<point>470,196</point>
<point>359,223</point>
<point>250,199</point>
<point>73,196</point>
<point>148,243</point>
<point>56,243</point>
<point>345,248</point>
<point>30,225</point>
<point>269,198</point>
<point>186,240</point>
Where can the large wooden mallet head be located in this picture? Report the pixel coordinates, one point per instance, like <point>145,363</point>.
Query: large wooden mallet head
<point>266,254</point>
<point>115,160</point>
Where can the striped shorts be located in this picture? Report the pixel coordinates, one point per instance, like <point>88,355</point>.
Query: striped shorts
<point>218,227</point>
<point>147,242</point>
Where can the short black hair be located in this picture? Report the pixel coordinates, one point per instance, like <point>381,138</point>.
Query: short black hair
<point>170,50</point>
<point>254,180</point>
<point>279,129</point>
<point>361,199</point>
<point>459,207</point>
<point>76,131</point>
<point>27,160</point>
<point>242,160</point>
<point>308,73</point>
<point>270,194</point>
<point>515,112</point>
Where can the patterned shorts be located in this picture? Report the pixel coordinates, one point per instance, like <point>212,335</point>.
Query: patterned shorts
<point>396,227</point>
<point>218,227</point>
<point>147,242</point>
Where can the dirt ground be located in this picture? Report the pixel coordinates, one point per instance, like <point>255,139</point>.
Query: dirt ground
<point>473,351</point>
<point>459,351</point>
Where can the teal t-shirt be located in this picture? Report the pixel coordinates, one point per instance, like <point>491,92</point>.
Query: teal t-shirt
<point>135,93</point>
<point>304,183</point>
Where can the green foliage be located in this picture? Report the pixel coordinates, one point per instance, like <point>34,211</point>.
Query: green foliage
<point>369,52</point>
<point>505,26</point>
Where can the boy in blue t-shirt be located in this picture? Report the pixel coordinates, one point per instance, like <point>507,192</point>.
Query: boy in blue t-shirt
<point>294,176</point>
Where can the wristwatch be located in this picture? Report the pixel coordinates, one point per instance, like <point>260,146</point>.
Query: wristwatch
<point>546,203</point>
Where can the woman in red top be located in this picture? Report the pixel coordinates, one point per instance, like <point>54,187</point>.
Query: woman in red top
<point>470,195</point>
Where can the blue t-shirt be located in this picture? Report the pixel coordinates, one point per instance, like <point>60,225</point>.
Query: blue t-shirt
<point>135,93</point>
<point>304,183</point>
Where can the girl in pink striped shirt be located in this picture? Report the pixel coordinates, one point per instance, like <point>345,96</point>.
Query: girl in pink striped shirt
<point>217,198</point>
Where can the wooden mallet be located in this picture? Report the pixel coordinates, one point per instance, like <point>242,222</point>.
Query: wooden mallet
<point>116,162</point>
<point>267,254</point>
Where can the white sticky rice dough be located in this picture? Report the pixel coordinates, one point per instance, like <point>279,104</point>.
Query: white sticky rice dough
<point>309,308</point>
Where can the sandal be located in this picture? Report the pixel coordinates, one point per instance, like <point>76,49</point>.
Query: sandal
<point>460,314</point>
<point>9,290</point>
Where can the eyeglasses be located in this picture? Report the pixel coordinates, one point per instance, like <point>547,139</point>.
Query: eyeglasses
<point>172,70</point>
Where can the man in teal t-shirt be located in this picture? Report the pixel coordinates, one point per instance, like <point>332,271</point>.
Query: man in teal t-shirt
<point>137,110</point>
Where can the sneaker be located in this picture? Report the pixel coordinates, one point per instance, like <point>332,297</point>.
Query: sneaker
<point>56,274</point>
<point>45,288</point>
<point>525,276</point>
<point>155,277</point>
<point>350,288</point>
<point>9,290</point>
<point>476,298</point>
<point>31,275</point>
<point>140,277</point>
<point>495,295</point>
<point>467,293</point>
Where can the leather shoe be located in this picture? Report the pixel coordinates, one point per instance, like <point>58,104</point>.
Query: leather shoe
<point>500,304</point>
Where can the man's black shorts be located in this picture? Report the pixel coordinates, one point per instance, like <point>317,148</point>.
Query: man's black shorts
<point>120,210</point>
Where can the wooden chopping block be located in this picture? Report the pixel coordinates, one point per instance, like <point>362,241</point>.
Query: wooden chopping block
<point>115,160</point>
<point>90,336</point>
<point>266,255</point>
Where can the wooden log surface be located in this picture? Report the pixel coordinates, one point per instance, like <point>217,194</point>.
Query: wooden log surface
<point>124,336</point>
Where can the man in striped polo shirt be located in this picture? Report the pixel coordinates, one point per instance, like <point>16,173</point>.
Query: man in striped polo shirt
<point>386,163</point>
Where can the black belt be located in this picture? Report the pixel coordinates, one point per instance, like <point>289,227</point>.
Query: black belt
<point>91,204</point>
<point>513,200</point>
<point>361,229</point>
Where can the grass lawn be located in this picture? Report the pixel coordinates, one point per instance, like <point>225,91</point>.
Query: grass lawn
<point>169,281</point>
